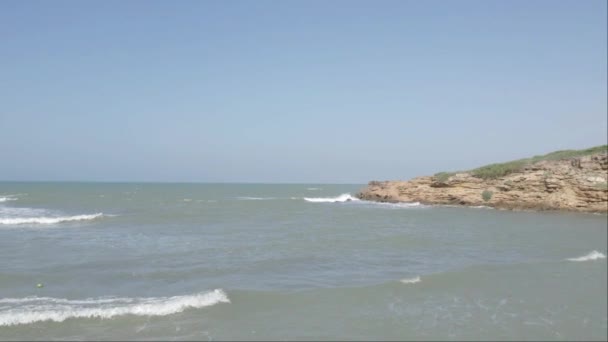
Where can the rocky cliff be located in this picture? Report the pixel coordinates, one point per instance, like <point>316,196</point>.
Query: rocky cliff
<point>574,184</point>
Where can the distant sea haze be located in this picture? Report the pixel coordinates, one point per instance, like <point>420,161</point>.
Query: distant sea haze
<point>304,261</point>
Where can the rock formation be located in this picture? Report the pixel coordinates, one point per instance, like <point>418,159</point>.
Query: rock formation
<point>574,184</point>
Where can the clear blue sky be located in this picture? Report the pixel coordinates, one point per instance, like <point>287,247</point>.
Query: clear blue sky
<point>294,91</point>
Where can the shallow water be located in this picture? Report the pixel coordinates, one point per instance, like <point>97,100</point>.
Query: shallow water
<point>306,261</point>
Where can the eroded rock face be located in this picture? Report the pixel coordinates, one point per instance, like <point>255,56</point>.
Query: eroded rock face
<point>578,184</point>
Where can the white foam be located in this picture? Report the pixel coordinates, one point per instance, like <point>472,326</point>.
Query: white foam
<point>246,198</point>
<point>398,204</point>
<point>7,198</point>
<point>593,255</point>
<point>48,219</point>
<point>38,309</point>
<point>410,280</point>
<point>313,189</point>
<point>341,198</point>
<point>480,207</point>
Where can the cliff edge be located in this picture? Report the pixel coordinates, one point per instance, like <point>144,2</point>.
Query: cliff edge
<point>563,180</point>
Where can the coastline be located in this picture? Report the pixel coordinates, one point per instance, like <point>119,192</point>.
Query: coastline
<point>574,184</point>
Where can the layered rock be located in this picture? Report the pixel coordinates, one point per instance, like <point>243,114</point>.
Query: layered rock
<point>576,184</point>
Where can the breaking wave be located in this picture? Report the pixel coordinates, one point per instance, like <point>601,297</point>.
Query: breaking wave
<point>341,198</point>
<point>7,198</point>
<point>349,198</point>
<point>410,280</point>
<point>593,255</point>
<point>48,219</point>
<point>37,309</point>
<point>399,204</point>
<point>247,198</point>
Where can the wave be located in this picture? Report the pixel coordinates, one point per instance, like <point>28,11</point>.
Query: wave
<point>314,189</point>
<point>246,198</point>
<point>7,198</point>
<point>38,309</point>
<point>410,280</point>
<point>464,206</point>
<point>399,204</point>
<point>593,255</point>
<point>49,219</point>
<point>349,198</point>
<point>341,198</point>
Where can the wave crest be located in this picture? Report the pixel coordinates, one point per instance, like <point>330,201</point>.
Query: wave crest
<point>341,198</point>
<point>38,309</point>
<point>399,204</point>
<point>410,280</point>
<point>48,219</point>
<point>593,255</point>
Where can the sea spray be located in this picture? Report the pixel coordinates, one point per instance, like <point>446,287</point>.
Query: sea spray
<point>341,198</point>
<point>593,255</point>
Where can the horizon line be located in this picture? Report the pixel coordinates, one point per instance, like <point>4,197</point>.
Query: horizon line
<point>175,182</point>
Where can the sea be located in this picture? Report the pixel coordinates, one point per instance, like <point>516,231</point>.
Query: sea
<point>177,261</point>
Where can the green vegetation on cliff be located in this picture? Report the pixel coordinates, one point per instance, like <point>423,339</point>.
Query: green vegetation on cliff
<point>493,171</point>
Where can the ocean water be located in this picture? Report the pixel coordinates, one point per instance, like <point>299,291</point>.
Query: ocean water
<point>289,262</point>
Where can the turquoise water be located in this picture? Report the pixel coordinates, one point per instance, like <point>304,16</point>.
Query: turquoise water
<point>306,261</point>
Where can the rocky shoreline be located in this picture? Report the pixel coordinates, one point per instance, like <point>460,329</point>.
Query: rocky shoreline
<point>573,184</point>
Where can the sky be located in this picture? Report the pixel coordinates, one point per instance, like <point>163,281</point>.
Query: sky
<point>294,91</point>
